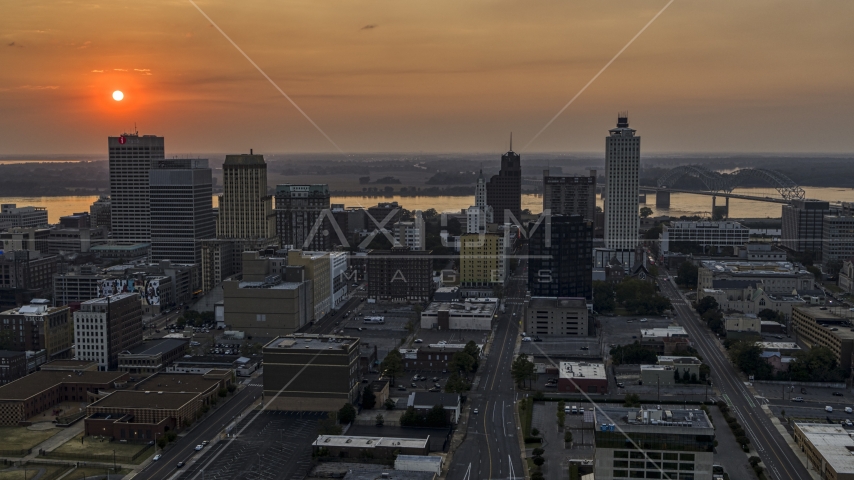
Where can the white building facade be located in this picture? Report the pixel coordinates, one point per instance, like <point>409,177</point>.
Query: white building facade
<point>622,164</point>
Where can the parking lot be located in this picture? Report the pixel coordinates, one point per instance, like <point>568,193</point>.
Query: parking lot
<point>619,330</point>
<point>276,446</point>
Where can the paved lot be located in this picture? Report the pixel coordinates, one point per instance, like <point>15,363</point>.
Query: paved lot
<point>621,330</point>
<point>276,446</point>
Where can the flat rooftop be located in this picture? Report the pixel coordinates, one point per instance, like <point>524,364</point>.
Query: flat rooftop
<point>681,360</point>
<point>68,364</point>
<point>311,342</point>
<point>37,382</point>
<point>778,345</point>
<point>833,443</point>
<point>743,267</point>
<point>369,442</point>
<point>594,371</point>
<point>145,399</point>
<point>176,382</point>
<point>34,310</point>
<point>270,286</point>
<point>474,307</point>
<point>157,347</point>
<point>112,298</point>
<point>647,419</point>
<point>558,302</point>
<point>672,331</point>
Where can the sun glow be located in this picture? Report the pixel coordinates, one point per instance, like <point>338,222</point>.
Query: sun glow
<point>118,95</point>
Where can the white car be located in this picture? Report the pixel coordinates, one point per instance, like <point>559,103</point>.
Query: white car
<point>475,411</point>
<point>418,340</point>
<point>848,410</point>
<point>828,409</point>
<point>643,320</point>
<point>199,447</point>
<point>156,457</point>
<point>527,339</point>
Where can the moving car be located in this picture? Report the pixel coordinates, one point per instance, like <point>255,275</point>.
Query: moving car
<point>156,457</point>
<point>798,399</point>
<point>828,409</point>
<point>180,464</point>
<point>199,447</point>
<point>837,394</point>
<point>475,411</point>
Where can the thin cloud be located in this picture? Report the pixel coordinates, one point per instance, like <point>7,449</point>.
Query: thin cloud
<point>144,71</point>
<point>97,71</point>
<point>120,69</point>
<point>38,87</point>
<point>368,27</point>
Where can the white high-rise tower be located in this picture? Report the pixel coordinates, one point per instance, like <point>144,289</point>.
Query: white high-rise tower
<point>130,163</point>
<point>622,165</point>
<point>480,214</point>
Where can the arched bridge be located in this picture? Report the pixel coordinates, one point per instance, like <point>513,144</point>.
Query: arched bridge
<point>722,184</point>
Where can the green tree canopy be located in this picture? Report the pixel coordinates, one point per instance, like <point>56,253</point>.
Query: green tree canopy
<point>369,399</point>
<point>392,365</point>
<point>603,297</point>
<point>686,275</point>
<point>633,354</point>
<point>522,369</point>
<point>347,413</point>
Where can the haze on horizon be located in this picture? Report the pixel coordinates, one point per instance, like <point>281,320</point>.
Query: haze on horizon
<point>441,76</point>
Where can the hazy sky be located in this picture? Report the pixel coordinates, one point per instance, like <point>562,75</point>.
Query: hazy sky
<point>432,76</point>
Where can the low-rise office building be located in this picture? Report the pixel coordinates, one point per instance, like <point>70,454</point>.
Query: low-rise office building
<point>152,356</point>
<point>25,275</point>
<point>828,449</point>
<point>819,327</point>
<point>674,442</point>
<point>837,239</point>
<point>775,277</point>
<point>423,402</point>
<point>41,390</point>
<point>11,215</point>
<point>105,327</point>
<point>707,234</point>
<point>470,314</point>
<point>665,372</point>
<point>742,326</point>
<point>38,326</point>
<point>322,372</point>
<point>347,446</point>
<point>557,316</point>
<point>578,377</point>
<point>665,341</point>
<point>431,358</point>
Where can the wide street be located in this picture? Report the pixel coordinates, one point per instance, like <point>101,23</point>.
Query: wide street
<point>491,447</point>
<point>184,447</point>
<point>766,442</point>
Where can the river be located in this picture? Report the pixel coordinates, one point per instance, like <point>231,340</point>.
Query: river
<point>681,203</point>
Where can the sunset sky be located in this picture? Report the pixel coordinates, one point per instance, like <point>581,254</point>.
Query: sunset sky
<point>431,76</point>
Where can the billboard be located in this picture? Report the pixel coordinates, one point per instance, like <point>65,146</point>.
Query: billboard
<point>149,290</point>
<point>113,286</point>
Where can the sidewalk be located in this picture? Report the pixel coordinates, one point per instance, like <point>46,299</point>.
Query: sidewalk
<point>55,441</point>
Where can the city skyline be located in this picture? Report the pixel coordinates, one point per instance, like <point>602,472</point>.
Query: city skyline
<point>702,78</point>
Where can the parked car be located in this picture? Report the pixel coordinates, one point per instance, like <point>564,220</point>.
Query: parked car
<point>418,340</point>
<point>798,399</point>
<point>848,410</point>
<point>837,394</point>
<point>828,409</point>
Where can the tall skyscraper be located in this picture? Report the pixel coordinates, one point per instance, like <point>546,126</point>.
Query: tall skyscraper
<point>622,164</point>
<point>561,261</point>
<point>130,162</point>
<point>480,214</point>
<point>570,195</point>
<point>504,191</point>
<point>297,210</point>
<point>245,209</point>
<point>181,217</point>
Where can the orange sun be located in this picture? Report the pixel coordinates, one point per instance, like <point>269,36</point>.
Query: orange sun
<point>118,95</point>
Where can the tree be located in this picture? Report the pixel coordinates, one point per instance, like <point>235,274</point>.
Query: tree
<point>633,354</point>
<point>539,461</point>
<point>538,452</point>
<point>522,369</point>
<point>535,431</point>
<point>347,414</point>
<point>461,362</point>
<point>411,418</point>
<point>686,275</point>
<point>705,304</point>
<point>389,404</point>
<point>380,420</point>
<point>748,357</point>
<point>369,399</point>
<point>645,212</point>
<point>457,384</point>
<point>603,296</point>
<point>392,365</point>
<point>676,378</point>
<point>631,400</point>
<point>567,436</point>
<point>817,364</point>
<point>329,425</point>
<point>473,350</point>
<point>436,417</point>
